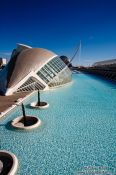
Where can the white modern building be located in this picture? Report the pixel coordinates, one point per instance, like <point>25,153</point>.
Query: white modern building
<point>105,62</point>
<point>3,62</point>
<point>31,69</point>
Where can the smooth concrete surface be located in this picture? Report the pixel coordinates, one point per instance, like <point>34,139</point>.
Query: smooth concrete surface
<point>12,102</point>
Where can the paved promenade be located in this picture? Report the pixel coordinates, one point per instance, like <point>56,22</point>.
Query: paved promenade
<point>8,101</point>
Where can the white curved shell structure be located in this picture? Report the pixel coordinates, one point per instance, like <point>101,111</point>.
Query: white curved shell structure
<point>33,68</point>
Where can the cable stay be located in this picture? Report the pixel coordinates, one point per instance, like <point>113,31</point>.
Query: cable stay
<point>78,51</point>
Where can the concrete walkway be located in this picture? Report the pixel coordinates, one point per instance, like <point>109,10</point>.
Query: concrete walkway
<point>8,101</point>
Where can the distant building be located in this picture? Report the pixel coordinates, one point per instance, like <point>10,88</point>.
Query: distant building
<point>105,62</point>
<point>33,68</point>
<point>2,62</point>
<point>105,68</point>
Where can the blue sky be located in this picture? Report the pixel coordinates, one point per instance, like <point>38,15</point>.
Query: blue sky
<point>59,25</point>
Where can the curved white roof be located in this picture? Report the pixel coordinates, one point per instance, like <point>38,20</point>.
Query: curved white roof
<point>24,60</point>
<point>27,61</point>
<point>21,72</point>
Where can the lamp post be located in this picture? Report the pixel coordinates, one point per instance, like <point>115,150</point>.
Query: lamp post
<point>38,103</point>
<point>24,116</point>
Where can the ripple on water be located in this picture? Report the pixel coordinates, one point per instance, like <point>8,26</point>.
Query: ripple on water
<point>78,130</point>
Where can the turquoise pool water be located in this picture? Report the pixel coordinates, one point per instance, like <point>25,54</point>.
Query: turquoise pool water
<point>77,135</point>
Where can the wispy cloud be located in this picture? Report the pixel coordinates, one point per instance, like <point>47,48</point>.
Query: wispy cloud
<point>87,62</point>
<point>7,54</point>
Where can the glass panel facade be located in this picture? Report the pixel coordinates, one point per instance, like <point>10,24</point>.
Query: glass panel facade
<point>51,69</point>
<point>30,85</point>
<point>62,78</point>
